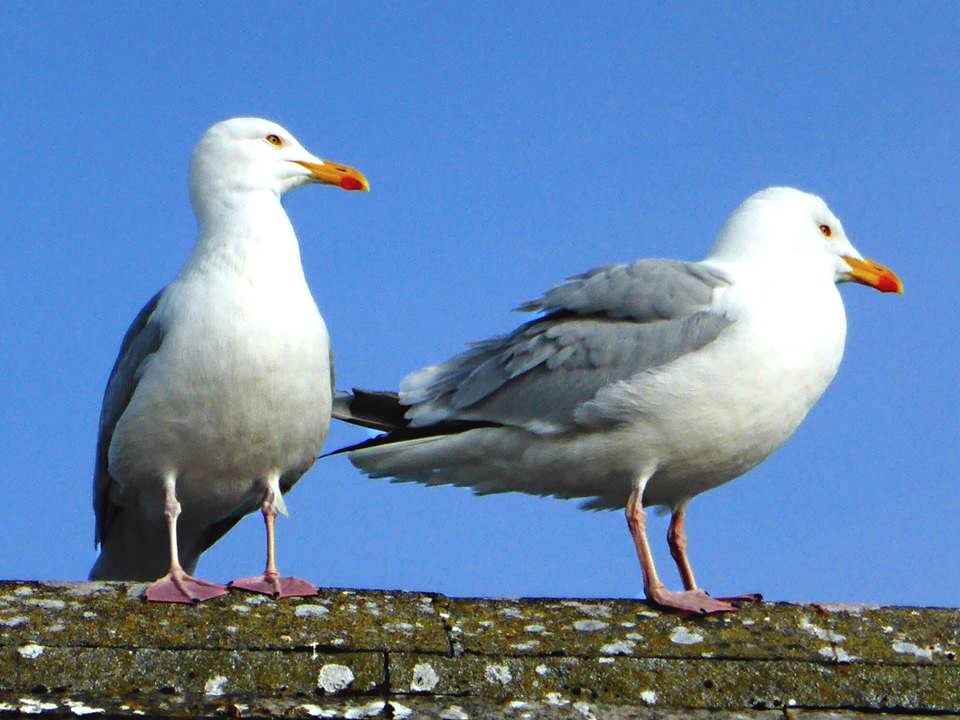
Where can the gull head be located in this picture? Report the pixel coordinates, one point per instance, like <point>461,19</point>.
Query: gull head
<point>791,234</point>
<point>252,154</point>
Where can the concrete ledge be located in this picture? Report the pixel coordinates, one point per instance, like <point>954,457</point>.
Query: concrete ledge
<point>97,649</point>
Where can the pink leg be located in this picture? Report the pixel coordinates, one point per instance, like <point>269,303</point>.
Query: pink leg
<point>691,600</point>
<point>270,583</point>
<point>176,586</point>
<point>677,540</point>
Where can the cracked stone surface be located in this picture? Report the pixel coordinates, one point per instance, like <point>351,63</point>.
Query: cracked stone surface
<point>77,649</point>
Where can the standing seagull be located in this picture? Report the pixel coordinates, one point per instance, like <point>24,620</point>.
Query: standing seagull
<point>220,397</point>
<point>638,385</point>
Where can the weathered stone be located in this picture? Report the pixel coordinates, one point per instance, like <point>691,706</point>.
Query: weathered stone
<point>680,682</point>
<point>97,649</point>
<point>758,631</point>
<point>114,614</point>
<point>127,671</point>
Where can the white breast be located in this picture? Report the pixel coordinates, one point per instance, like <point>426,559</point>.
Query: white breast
<point>712,415</point>
<point>240,388</point>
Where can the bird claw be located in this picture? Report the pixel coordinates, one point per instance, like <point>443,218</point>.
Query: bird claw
<point>275,586</point>
<point>178,587</point>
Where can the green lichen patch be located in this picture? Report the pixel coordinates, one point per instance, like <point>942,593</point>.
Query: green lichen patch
<point>82,648</point>
<point>717,684</point>
<point>119,673</point>
<point>115,614</point>
<point>758,631</point>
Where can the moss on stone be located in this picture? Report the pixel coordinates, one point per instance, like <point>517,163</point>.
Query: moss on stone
<point>97,648</point>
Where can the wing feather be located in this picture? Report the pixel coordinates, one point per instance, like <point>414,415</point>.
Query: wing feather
<point>599,328</point>
<point>142,339</point>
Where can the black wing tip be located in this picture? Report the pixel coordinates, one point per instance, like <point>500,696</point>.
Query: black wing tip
<point>453,427</point>
<point>361,393</point>
<point>374,409</point>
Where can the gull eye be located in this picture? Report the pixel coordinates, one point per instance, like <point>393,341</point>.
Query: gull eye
<point>275,140</point>
<point>826,230</point>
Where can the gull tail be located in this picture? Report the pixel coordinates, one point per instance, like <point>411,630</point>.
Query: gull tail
<point>485,456</point>
<point>132,549</point>
<point>382,410</point>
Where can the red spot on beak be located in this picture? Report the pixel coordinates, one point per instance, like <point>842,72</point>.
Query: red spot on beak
<point>350,183</point>
<point>887,284</point>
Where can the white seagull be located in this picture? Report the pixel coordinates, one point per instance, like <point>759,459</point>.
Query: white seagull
<point>638,385</point>
<point>220,397</point>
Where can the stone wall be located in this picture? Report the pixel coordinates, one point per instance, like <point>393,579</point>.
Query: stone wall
<point>97,649</point>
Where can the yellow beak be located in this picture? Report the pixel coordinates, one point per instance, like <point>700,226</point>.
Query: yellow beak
<point>331,173</point>
<point>867,272</point>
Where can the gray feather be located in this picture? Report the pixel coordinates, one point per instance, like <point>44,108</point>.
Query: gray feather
<point>644,290</point>
<point>603,327</point>
<point>142,339</point>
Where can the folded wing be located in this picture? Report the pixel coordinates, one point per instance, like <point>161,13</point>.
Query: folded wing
<point>599,328</point>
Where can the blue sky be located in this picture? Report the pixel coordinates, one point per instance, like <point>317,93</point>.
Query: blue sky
<point>509,145</point>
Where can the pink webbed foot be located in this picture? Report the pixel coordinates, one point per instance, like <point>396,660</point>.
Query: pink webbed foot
<point>690,601</point>
<point>275,586</point>
<point>178,587</point>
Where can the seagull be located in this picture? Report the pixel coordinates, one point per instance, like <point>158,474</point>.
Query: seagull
<point>640,384</point>
<point>220,397</point>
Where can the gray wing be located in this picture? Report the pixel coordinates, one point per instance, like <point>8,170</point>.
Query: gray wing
<point>645,290</point>
<point>601,327</point>
<point>142,339</point>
